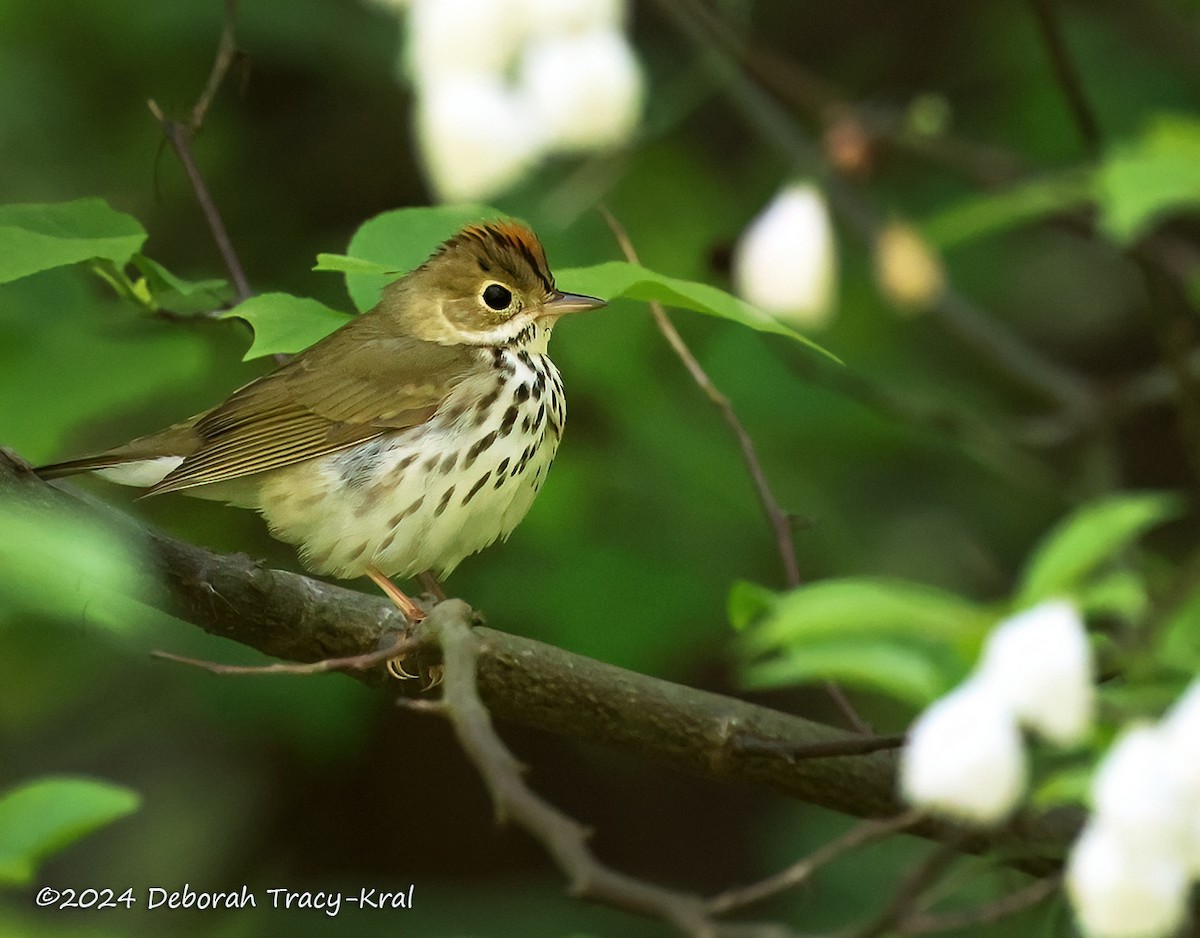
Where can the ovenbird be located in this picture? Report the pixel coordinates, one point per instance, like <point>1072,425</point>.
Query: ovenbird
<point>415,435</point>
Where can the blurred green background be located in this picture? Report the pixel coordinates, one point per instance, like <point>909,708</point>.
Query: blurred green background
<point>921,458</point>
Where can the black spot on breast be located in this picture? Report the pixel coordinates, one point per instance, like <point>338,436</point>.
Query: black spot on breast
<point>485,404</point>
<point>502,467</point>
<point>477,486</point>
<point>510,418</point>
<point>525,359</point>
<point>478,447</point>
<point>444,502</point>
<point>521,394</point>
<point>396,519</point>
<point>448,463</point>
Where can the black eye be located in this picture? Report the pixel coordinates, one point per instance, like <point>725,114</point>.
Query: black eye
<point>497,297</point>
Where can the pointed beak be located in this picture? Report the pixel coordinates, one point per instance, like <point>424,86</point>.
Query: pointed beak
<point>564,303</point>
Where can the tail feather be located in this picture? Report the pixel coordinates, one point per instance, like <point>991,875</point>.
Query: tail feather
<point>138,472</point>
<point>70,467</point>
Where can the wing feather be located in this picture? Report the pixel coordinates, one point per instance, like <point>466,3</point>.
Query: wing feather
<point>362,386</point>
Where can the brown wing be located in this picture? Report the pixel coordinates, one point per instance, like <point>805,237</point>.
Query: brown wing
<point>345,390</point>
<point>337,393</point>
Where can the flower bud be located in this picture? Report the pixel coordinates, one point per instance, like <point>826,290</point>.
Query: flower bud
<point>476,137</point>
<point>1122,888</point>
<point>786,260</point>
<point>567,17</point>
<point>1134,792</point>
<point>907,270</point>
<point>1041,662</point>
<point>964,758</point>
<point>451,38</point>
<point>585,90</point>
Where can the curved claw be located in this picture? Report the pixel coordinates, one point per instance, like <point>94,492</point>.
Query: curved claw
<point>395,668</point>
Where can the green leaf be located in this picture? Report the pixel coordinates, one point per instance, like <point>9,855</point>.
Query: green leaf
<point>748,601</point>
<point>344,263</point>
<point>870,608</point>
<point>1179,645</point>
<point>1117,593</point>
<point>900,670</point>
<point>286,323</point>
<point>1088,538</point>
<point>40,236</point>
<point>395,242</point>
<point>42,817</point>
<point>992,213</point>
<point>1070,786</point>
<point>1152,177</point>
<point>615,279</point>
<point>163,290</point>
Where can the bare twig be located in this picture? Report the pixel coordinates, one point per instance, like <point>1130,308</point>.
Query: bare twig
<point>779,520</point>
<point>858,836</point>
<point>987,913</point>
<point>361,662</point>
<point>564,838</point>
<point>923,875</point>
<point>227,54</point>
<point>180,135</point>
<point>1067,74</point>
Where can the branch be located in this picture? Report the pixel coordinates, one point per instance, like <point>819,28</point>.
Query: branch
<point>297,618</point>
<point>1067,74</point>
<point>180,135</point>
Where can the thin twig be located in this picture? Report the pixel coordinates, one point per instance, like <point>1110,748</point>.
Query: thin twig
<point>779,520</point>
<point>180,135</point>
<point>800,872</point>
<point>1067,74</point>
<point>361,662</point>
<point>227,54</point>
<point>919,878</point>
<point>988,913</point>
<point>564,838</point>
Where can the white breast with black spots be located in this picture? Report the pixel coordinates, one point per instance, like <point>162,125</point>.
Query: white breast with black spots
<point>425,498</point>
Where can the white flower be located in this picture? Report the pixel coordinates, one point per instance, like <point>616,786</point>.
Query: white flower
<point>1121,889</point>
<point>1181,724</point>
<point>564,17</point>
<point>585,90</point>
<point>476,137</point>
<point>451,38</point>
<point>1041,662</point>
<point>1134,793</point>
<point>1181,731</point>
<point>964,757</point>
<point>786,260</point>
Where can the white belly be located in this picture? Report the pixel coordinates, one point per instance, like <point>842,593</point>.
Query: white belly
<point>425,498</point>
